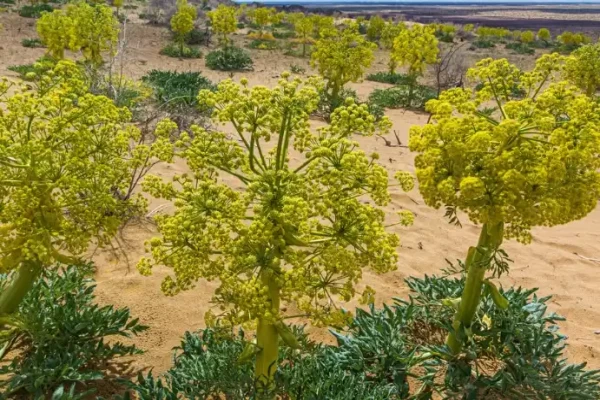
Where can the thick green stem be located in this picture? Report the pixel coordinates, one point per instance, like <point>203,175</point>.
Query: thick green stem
<point>476,265</point>
<point>22,281</point>
<point>412,83</point>
<point>267,340</point>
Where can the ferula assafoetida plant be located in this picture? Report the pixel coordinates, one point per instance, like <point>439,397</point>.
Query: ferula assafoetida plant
<point>64,154</point>
<point>525,163</point>
<point>415,48</point>
<point>91,29</point>
<point>298,232</point>
<point>341,57</point>
<point>223,21</point>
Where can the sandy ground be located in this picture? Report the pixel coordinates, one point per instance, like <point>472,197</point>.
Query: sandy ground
<point>553,262</point>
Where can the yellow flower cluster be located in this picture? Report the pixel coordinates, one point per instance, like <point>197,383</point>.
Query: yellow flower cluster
<point>223,21</point>
<point>91,29</point>
<point>528,162</point>
<point>342,57</point>
<point>65,155</point>
<point>182,22</point>
<point>264,16</point>
<point>582,68</point>
<point>300,231</point>
<point>416,47</point>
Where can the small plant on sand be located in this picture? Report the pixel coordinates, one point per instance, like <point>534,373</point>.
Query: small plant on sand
<point>35,10</point>
<point>527,37</point>
<point>569,41</point>
<point>90,29</point>
<point>263,18</point>
<point>389,33</point>
<point>544,35</point>
<point>297,69</point>
<point>375,28</point>
<point>403,97</point>
<point>582,68</point>
<point>304,27</point>
<point>415,48</point>
<point>176,94</point>
<point>528,162</point>
<point>391,78</point>
<point>297,233</point>
<point>520,48</point>
<point>229,58</point>
<point>32,43</point>
<point>176,51</point>
<point>223,21</point>
<point>182,23</point>
<point>341,57</point>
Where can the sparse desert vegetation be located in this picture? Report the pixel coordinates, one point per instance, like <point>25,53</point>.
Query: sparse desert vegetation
<point>206,200</point>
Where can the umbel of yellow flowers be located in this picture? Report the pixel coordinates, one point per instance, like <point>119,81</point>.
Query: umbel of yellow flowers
<point>91,29</point>
<point>64,154</point>
<point>299,232</point>
<point>182,22</point>
<point>415,48</point>
<point>530,162</point>
<point>341,57</point>
<point>223,20</point>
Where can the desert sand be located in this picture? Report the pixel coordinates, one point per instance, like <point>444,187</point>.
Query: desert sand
<point>562,261</point>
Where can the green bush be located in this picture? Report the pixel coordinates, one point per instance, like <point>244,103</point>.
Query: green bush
<point>32,43</point>
<point>261,44</point>
<point>229,58</point>
<point>297,69</point>
<point>398,97</point>
<point>7,1</point>
<point>35,11</point>
<point>520,48</point>
<point>445,37</point>
<point>61,333</point>
<point>395,352</point>
<point>40,66</point>
<point>176,51</point>
<point>174,89</point>
<point>386,77</point>
<point>522,342</point>
<point>482,44</point>
<point>278,34</point>
<point>197,37</point>
<point>241,25</point>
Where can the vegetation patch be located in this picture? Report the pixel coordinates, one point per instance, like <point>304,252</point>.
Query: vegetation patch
<point>520,48</point>
<point>176,51</point>
<point>175,89</point>
<point>63,335</point>
<point>391,78</point>
<point>229,58</point>
<point>34,11</point>
<point>262,44</point>
<point>483,44</point>
<point>401,97</point>
<point>32,43</point>
<point>515,352</point>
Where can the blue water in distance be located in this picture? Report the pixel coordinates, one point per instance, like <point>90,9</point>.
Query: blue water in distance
<point>418,2</point>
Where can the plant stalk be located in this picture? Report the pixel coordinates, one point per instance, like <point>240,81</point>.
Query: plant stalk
<point>22,281</point>
<point>267,340</point>
<point>476,265</point>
